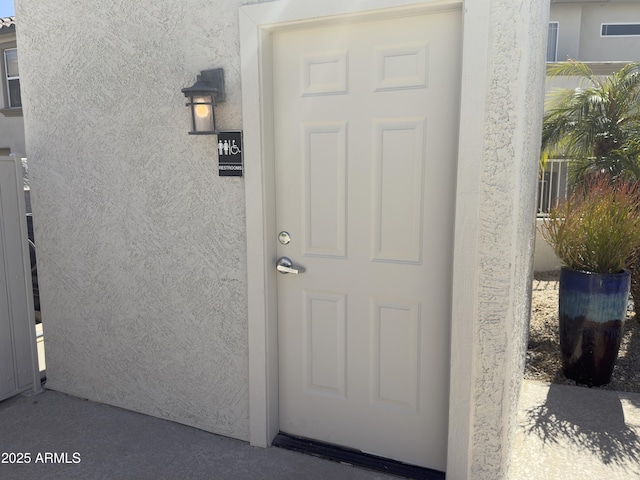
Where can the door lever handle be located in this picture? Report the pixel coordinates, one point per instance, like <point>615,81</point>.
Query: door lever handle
<point>285,265</point>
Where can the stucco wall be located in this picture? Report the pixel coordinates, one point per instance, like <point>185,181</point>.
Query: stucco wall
<point>495,220</point>
<point>506,231</point>
<point>593,47</point>
<point>568,17</point>
<point>545,259</point>
<point>142,258</point>
<point>579,26</point>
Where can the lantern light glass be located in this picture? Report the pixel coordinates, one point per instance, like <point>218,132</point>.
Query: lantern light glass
<point>202,119</point>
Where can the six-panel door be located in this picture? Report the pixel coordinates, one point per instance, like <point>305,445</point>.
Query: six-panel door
<point>366,119</point>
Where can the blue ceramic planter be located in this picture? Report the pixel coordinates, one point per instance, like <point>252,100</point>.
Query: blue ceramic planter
<point>592,310</point>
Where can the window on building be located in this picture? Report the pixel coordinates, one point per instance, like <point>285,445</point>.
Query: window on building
<point>620,29</point>
<point>13,77</point>
<point>552,42</point>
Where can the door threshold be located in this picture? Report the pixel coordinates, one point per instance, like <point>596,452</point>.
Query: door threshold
<point>354,457</point>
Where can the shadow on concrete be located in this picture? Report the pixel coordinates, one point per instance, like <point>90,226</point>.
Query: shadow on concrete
<point>632,399</point>
<point>630,360</point>
<point>586,418</point>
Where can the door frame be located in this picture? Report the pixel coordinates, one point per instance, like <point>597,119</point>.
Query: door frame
<point>257,24</point>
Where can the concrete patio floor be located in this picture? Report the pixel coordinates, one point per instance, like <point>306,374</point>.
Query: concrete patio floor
<point>114,444</point>
<point>568,432</point>
<point>563,432</point>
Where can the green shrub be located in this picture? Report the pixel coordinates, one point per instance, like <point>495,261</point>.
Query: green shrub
<point>597,229</point>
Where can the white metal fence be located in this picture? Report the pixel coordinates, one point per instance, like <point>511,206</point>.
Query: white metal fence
<point>552,186</point>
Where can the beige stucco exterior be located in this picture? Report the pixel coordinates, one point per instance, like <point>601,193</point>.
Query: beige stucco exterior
<point>150,263</point>
<point>579,27</point>
<point>141,246</point>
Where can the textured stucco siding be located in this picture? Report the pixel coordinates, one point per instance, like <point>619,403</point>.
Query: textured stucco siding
<point>515,79</point>
<point>593,47</point>
<point>142,257</point>
<point>569,17</point>
<point>579,27</point>
<point>545,259</point>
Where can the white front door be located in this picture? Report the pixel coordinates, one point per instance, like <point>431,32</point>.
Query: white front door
<point>365,122</point>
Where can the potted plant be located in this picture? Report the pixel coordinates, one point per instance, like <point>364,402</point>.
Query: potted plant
<point>594,233</point>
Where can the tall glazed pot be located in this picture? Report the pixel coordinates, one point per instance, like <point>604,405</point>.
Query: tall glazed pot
<point>592,311</point>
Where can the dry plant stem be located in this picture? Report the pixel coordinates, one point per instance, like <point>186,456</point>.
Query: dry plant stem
<point>597,229</point>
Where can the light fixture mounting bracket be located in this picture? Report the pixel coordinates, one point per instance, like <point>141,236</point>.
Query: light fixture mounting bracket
<point>215,77</point>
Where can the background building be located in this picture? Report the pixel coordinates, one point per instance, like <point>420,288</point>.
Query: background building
<point>11,124</point>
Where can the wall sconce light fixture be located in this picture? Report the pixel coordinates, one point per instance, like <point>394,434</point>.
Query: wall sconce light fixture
<point>202,97</point>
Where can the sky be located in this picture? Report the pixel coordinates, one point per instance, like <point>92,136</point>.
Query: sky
<point>6,8</point>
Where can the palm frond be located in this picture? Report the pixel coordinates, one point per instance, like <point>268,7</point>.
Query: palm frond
<point>595,123</point>
<point>573,68</point>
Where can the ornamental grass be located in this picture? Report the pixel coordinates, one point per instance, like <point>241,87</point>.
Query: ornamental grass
<point>597,229</point>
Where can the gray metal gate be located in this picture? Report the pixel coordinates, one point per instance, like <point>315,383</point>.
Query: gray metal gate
<point>18,351</point>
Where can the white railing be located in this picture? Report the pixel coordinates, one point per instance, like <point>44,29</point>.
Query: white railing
<point>552,186</point>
